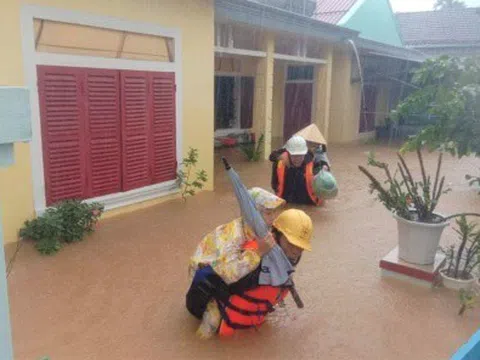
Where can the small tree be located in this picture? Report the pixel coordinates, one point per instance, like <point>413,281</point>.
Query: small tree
<point>189,185</point>
<point>448,92</point>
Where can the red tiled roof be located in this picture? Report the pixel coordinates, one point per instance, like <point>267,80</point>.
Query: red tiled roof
<point>332,11</point>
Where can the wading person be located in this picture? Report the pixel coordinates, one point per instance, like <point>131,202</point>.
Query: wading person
<point>230,298</point>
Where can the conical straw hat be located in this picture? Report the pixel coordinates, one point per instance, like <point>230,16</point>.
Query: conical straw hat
<point>312,134</point>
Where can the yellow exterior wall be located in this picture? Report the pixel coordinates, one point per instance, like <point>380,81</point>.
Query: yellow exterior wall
<point>195,19</point>
<point>382,110</point>
<point>323,93</point>
<point>340,95</point>
<point>263,102</point>
<point>345,100</point>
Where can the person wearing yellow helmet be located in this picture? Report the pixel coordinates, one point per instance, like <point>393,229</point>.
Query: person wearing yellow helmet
<point>224,308</point>
<point>293,232</point>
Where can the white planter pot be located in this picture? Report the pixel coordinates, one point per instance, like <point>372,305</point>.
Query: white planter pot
<point>418,242</point>
<point>456,284</point>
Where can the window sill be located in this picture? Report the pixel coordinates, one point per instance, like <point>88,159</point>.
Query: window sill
<point>226,132</point>
<point>118,200</point>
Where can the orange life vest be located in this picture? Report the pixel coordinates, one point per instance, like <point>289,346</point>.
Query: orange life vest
<point>281,168</point>
<point>248,310</point>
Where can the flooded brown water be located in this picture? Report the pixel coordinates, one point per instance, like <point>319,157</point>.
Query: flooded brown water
<point>120,294</point>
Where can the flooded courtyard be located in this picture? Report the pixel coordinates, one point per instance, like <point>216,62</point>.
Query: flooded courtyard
<point>120,294</point>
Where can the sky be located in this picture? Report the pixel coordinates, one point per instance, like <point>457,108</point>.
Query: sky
<point>422,5</point>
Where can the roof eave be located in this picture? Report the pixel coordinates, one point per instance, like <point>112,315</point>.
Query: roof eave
<point>381,49</point>
<point>272,18</point>
<point>444,45</point>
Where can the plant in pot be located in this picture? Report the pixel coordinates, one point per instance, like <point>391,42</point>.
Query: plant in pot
<point>463,258</point>
<point>412,203</point>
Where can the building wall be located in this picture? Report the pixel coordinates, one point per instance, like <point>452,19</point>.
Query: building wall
<point>263,101</point>
<point>345,100</point>
<point>382,106</point>
<point>195,19</point>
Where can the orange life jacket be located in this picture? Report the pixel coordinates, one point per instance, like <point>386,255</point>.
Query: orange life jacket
<point>248,310</point>
<point>281,168</point>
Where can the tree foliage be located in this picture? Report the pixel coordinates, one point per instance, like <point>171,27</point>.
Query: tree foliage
<point>448,92</point>
<point>449,4</point>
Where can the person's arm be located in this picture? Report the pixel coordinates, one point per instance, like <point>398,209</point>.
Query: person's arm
<point>274,181</point>
<point>320,162</point>
<point>239,261</point>
<point>275,155</point>
<point>236,259</point>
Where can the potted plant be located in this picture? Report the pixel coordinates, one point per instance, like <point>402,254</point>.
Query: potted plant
<point>462,260</point>
<point>412,203</point>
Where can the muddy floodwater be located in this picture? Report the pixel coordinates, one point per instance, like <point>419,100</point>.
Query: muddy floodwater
<point>120,294</point>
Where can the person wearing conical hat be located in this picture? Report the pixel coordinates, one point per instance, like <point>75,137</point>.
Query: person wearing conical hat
<point>293,171</point>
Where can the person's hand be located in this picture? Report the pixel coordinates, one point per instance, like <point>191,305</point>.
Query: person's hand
<point>265,244</point>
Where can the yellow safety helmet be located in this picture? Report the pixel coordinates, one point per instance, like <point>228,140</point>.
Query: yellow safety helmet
<point>297,227</point>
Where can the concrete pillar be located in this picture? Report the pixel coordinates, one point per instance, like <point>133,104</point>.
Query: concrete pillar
<point>323,92</point>
<point>6,348</point>
<point>263,110</point>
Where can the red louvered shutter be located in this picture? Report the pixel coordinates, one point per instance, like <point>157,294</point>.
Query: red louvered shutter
<point>136,120</point>
<point>63,133</point>
<point>103,130</point>
<point>164,159</point>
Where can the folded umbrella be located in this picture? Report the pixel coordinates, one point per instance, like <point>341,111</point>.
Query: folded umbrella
<point>276,268</point>
<point>247,205</point>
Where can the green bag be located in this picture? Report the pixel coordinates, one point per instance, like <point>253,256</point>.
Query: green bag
<point>325,185</point>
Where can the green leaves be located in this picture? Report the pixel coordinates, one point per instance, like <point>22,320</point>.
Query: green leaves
<point>66,222</point>
<point>446,4</point>
<point>252,152</point>
<point>189,186</point>
<point>448,92</point>
<point>406,194</point>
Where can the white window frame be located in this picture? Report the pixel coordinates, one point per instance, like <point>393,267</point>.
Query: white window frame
<point>32,58</point>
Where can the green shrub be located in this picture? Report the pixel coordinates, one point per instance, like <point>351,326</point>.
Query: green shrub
<point>253,152</point>
<point>77,218</point>
<point>66,222</point>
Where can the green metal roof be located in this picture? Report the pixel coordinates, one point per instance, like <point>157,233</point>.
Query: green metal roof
<point>375,20</point>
